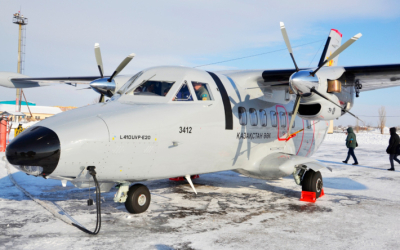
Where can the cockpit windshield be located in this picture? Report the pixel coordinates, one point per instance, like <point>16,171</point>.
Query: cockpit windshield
<point>129,83</point>
<point>153,88</point>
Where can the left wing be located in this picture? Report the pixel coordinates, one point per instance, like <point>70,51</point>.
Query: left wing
<point>15,80</point>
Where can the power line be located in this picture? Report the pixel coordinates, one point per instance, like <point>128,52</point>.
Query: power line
<point>239,58</point>
<point>315,54</point>
<point>379,116</point>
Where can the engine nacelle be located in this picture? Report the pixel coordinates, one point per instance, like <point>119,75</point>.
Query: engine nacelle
<point>328,83</point>
<point>315,107</point>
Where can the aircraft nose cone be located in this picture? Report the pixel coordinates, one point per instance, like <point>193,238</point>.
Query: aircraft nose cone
<point>36,151</point>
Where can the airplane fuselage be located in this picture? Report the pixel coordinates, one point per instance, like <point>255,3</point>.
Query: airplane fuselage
<point>135,138</point>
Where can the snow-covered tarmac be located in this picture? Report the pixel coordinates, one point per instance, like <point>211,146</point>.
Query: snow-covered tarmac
<point>360,210</point>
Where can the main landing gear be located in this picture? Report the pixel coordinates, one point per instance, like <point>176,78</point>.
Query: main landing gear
<point>312,182</point>
<point>136,198</point>
<point>309,180</point>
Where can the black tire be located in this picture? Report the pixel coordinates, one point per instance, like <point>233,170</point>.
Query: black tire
<point>312,182</point>
<point>138,199</point>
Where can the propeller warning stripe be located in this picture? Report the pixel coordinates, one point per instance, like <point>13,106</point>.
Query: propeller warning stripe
<point>225,100</point>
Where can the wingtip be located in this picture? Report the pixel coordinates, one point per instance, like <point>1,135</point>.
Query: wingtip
<point>282,25</point>
<point>132,55</point>
<point>96,45</point>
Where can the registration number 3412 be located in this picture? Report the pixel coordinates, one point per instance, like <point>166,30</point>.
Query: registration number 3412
<point>185,130</point>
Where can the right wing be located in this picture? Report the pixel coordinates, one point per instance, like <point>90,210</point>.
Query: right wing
<point>373,76</point>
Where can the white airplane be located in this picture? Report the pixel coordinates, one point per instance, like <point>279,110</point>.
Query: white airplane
<point>173,121</point>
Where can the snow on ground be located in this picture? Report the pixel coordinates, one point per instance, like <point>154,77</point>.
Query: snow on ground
<point>359,211</point>
<point>362,138</point>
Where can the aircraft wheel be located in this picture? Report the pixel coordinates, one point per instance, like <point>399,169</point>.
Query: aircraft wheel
<point>138,199</point>
<point>312,182</point>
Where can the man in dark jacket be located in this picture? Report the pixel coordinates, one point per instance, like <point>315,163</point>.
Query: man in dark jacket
<point>392,148</point>
<point>351,143</point>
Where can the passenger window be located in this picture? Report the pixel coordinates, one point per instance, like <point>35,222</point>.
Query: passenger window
<point>253,117</point>
<point>273,119</point>
<point>290,120</point>
<point>308,124</point>
<point>242,116</point>
<point>183,94</point>
<point>202,91</point>
<point>263,118</point>
<point>282,119</point>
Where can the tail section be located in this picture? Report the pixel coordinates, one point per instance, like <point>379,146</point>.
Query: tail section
<point>332,43</point>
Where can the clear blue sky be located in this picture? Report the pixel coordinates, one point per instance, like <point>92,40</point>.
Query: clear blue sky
<point>61,36</point>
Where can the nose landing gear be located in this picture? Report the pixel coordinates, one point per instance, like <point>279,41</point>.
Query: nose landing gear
<point>136,198</point>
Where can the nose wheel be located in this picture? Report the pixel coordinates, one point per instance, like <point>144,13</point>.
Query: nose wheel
<point>138,199</point>
<point>312,182</point>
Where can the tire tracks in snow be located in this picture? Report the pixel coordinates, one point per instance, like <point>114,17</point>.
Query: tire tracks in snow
<point>52,207</point>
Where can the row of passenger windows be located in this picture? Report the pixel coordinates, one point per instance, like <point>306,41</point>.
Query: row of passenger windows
<point>261,115</point>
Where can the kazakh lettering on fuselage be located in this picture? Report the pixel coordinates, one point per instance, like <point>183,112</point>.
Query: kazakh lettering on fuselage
<point>135,137</point>
<point>253,136</point>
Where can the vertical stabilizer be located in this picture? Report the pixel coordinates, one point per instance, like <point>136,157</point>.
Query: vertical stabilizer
<point>332,43</point>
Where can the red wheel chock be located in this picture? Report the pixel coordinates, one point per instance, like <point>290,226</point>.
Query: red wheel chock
<point>310,196</point>
<point>182,178</point>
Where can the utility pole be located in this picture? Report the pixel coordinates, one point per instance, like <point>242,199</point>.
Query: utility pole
<point>19,19</point>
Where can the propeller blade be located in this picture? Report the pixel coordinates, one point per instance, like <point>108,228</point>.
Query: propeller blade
<point>294,113</point>
<point>316,92</point>
<point>101,98</point>
<point>338,51</point>
<point>286,38</point>
<point>122,66</point>
<point>99,61</point>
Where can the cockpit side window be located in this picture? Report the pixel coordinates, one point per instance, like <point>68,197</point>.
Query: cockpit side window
<point>153,88</point>
<point>202,91</point>
<point>183,94</point>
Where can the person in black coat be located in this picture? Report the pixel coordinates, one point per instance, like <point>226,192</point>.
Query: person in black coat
<point>392,148</point>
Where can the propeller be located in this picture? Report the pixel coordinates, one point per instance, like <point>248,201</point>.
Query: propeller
<point>99,61</point>
<point>105,86</point>
<point>303,83</point>
<point>298,95</point>
<point>286,38</point>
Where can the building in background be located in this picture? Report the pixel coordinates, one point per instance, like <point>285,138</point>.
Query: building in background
<point>65,108</point>
<point>32,113</point>
<point>22,103</point>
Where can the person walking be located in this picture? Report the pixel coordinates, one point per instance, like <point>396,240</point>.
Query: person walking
<point>351,143</point>
<point>392,148</point>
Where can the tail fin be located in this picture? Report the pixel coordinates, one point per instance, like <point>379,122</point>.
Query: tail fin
<point>332,43</point>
